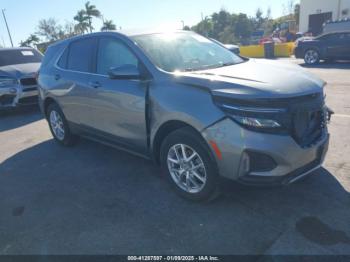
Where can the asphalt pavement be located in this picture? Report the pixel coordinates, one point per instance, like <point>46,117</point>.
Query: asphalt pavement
<point>92,199</point>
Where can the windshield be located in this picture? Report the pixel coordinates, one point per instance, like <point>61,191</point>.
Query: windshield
<point>182,51</point>
<point>19,56</point>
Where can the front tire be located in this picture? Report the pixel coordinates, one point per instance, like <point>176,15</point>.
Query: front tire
<point>311,57</point>
<point>187,162</point>
<point>59,126</point>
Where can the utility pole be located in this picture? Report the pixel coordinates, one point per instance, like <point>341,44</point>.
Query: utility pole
<point>7,26</point>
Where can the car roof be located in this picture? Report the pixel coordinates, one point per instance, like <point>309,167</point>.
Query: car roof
<point>125,33</point>
<point>335,32</point>
<point>15,48</point>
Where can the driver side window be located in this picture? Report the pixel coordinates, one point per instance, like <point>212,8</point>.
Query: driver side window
<point>113,53</point>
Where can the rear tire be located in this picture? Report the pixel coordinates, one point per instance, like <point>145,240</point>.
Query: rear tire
<point>189,166</point>
<point>59,126</point>
<point>311,57</point>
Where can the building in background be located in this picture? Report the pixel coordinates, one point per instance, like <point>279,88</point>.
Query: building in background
<point>314,13</point>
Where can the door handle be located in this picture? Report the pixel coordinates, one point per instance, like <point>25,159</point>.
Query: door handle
<point>57,77</point>
<point>95,84</point>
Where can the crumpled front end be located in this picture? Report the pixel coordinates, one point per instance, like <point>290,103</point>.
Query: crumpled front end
<point>270,142</point>
<point>25,92</point>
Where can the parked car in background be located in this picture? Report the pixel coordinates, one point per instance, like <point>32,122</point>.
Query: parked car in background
<point>189,104</point>
<point>332,46</point>
<point>233,48</point>
<point>18,70</point>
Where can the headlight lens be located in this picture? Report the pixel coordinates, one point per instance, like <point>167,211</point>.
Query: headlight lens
<point>6,81</point>
<point>256,122</point>
<point>255,117</point>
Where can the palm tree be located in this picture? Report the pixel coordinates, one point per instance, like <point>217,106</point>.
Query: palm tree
<point>108,25</point>
<point>83,24</point>
<point>90,12</point>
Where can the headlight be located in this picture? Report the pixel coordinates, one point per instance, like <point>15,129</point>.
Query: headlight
<point>255,117</point>
<point>256,122</point>
<point>6,81</point>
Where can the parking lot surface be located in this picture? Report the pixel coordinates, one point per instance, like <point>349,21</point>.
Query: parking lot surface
<point>92,199</point>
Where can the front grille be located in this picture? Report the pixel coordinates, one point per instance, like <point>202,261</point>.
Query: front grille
<point>6,99</point>
<point>28,82</point>
<point>29,89</point>
<point>308,126</point>
<point>28,100</point>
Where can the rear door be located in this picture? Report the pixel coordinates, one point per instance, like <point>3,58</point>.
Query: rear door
<point>337,46</point>
<point>73,76</point>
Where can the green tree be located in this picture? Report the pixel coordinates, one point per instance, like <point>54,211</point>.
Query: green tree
<point>222,21</point>
<point>205,27</point>
<point>243,27</point>
<point>30,41</point>
<point>83,22</point>
<point>259,19</point>
<point>108,25</point>
<point>50,29</point>
<point>90,12</point>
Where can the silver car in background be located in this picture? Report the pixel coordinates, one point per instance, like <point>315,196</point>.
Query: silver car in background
<point>188,103</point>
<point>18,71</point>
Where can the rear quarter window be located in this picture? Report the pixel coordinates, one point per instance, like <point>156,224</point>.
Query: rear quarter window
<point>62,63</point>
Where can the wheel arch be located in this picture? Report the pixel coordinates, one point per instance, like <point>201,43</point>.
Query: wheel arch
<point>48,101</point>
<point>164,130</point>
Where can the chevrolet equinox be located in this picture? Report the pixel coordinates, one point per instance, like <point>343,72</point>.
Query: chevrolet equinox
<point>189,104</point>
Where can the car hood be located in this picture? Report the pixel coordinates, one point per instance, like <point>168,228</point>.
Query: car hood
<point>20,70</point>
<point>255,79</point>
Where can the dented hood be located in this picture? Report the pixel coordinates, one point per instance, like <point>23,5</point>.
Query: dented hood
<point>20,70</point>
<point>255,79</point>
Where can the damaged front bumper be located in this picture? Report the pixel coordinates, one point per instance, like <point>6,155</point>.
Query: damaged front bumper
<point>263,159</point>
<point>17,95</point>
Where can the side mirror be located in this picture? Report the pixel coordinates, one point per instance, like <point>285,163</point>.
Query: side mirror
<point>127,72</point>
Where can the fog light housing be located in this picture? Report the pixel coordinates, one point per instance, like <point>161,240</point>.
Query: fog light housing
<point>254,162</point>
<point>260,162</point>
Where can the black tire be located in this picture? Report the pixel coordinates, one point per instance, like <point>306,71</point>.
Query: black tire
<point>311,57</point>
<point>68,138</point>
<point>190,138</point>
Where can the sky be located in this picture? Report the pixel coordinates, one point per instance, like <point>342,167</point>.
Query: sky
<point>23,15</point>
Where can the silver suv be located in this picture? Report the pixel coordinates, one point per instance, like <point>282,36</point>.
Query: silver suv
<point>191,105</point>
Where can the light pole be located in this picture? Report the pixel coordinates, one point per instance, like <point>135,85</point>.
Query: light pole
<point>7,26</point>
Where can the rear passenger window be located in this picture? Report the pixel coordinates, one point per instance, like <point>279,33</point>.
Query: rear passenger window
<point>80,54</point>
<point>113,53</point>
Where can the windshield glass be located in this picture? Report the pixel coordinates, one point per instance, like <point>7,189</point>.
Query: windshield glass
<point>182,51</point>
<point>19,56</point>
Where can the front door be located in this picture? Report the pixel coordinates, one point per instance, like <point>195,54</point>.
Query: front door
<point>118,106</point>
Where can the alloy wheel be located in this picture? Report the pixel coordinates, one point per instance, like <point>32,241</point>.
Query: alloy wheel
<point>57,125</point>
<point>311,57</point>
<point>187,168</point>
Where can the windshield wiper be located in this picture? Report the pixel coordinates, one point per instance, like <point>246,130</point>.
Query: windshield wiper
<point>209,67</point>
